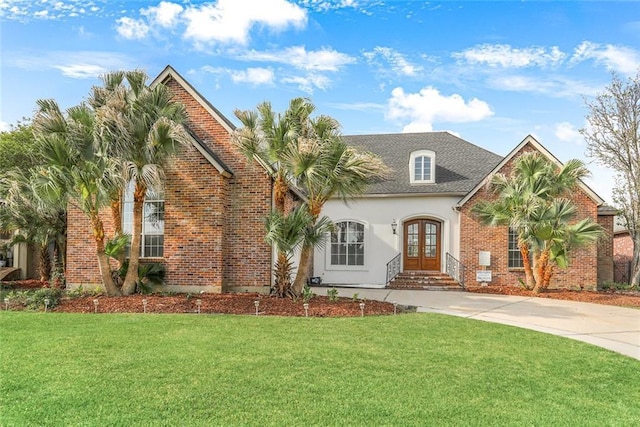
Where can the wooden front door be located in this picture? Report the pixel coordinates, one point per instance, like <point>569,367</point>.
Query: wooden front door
<point>422,245</point>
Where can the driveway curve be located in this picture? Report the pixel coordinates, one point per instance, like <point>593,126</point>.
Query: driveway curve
<point>610,327</point>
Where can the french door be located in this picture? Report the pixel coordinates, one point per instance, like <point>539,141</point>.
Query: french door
<point>422,245</point>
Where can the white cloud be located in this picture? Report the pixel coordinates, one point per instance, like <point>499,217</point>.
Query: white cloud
<point>505,56</point>
<point>555,86</point>
<point>132,28</point>
<point>325,59</point>
<point>255,76</point>
<point>166,14</point>
<point>230,21</point>
<point>81,71</point>
<point>615,58</point>
<point>4,126</point>
<point>565,131</point>
<point>24,11</point>
<point>325,5</point>
<point>309,83</point>
<point>395,59</point>
<point>422,109</point>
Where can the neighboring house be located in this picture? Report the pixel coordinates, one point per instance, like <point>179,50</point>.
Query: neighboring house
<point>622,253</point>
<point>210,235</point>
<point>421,218</point>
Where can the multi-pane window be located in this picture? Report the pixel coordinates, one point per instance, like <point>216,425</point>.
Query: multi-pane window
<point>347,244</point>
<point>422,167</point>
<point>514,256</point>
<point>152,237</point>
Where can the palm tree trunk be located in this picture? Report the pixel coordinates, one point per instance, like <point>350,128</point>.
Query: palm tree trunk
<point>541,268</point>
<point>130,280</point>
<point>44,262</point>
<point>304,269</point>
<point>116,214</point>
<point>103,259</point>
<point>526,262</point>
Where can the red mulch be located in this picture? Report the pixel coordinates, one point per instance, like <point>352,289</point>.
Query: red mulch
<point>619,298</point>
<point>319,306</point>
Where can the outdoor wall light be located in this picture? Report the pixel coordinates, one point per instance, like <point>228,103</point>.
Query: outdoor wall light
<point>394,226</point>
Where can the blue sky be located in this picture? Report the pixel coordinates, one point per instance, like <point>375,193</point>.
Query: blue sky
<point>490,72</point>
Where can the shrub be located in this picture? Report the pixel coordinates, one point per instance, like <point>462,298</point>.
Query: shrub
<point>332,294</point>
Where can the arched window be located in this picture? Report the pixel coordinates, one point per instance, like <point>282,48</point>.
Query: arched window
<point>422,167</point>
<point>347,244</point>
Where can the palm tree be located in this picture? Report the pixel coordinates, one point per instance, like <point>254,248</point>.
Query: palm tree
<point>285,233</point>
<point>143,127</point>
<point>324,166</point>
<point>33,220</point>
<point>77,169</point>
<point>529,201</point>
<point>271,138</point>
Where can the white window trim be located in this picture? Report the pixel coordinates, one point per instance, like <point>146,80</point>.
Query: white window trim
<point>143,234</point>
<point>366,242</point>
<point>412,161</point>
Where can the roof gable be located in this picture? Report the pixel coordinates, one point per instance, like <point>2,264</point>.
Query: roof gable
<point>169,72</point>
<point>539,147</point>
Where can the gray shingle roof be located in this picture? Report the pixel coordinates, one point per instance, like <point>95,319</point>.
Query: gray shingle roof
<point>460,165</point>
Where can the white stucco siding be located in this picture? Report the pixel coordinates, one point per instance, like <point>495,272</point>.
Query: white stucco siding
<point>380,244</point>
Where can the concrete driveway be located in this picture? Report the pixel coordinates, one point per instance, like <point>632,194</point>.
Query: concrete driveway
<point>613,328</point>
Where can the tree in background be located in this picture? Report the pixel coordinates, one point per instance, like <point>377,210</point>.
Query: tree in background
<point>532,201</point>
<point>613,138</point>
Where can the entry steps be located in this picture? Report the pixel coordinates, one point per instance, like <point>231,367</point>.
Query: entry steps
<point>425,280</point>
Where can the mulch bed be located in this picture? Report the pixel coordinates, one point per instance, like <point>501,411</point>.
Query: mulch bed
<point>618,298</point>
<point>319,306</point>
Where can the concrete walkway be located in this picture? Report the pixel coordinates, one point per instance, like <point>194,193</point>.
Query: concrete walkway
<point>613,328</point>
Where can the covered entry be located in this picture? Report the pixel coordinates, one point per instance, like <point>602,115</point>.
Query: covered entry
<point>422,245</point>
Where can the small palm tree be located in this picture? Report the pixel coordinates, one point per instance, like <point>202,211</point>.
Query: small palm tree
<point>285,233</point>
<point>326,167</point>
<point>529,200</point>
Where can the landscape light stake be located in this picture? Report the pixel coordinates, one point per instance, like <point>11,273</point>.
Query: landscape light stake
<point>95,305</point>
<point>257,304</point>
<point>306,309</point>
<point>46,304</point>
<point>198,304</point>
<point>6,304</point>
<point>144,305</point>
<point>361,309</point>
<point>395,307</point>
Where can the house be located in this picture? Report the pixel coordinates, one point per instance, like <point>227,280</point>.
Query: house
<point>210,236</point>
<point>622,252</point>
<point>420,220</point>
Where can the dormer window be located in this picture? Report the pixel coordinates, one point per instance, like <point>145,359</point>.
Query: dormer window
<point>422,167</point>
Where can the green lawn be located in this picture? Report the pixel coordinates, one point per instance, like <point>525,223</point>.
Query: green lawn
<point>416,369</point>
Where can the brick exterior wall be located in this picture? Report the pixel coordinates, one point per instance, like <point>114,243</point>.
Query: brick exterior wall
<point>622,247</point>
<point>213,224</point>
<point>476,237</point>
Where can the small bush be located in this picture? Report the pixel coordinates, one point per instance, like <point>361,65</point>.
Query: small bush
<point>332,294</point>
<point>307,294</point>
<point>34,300</point>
